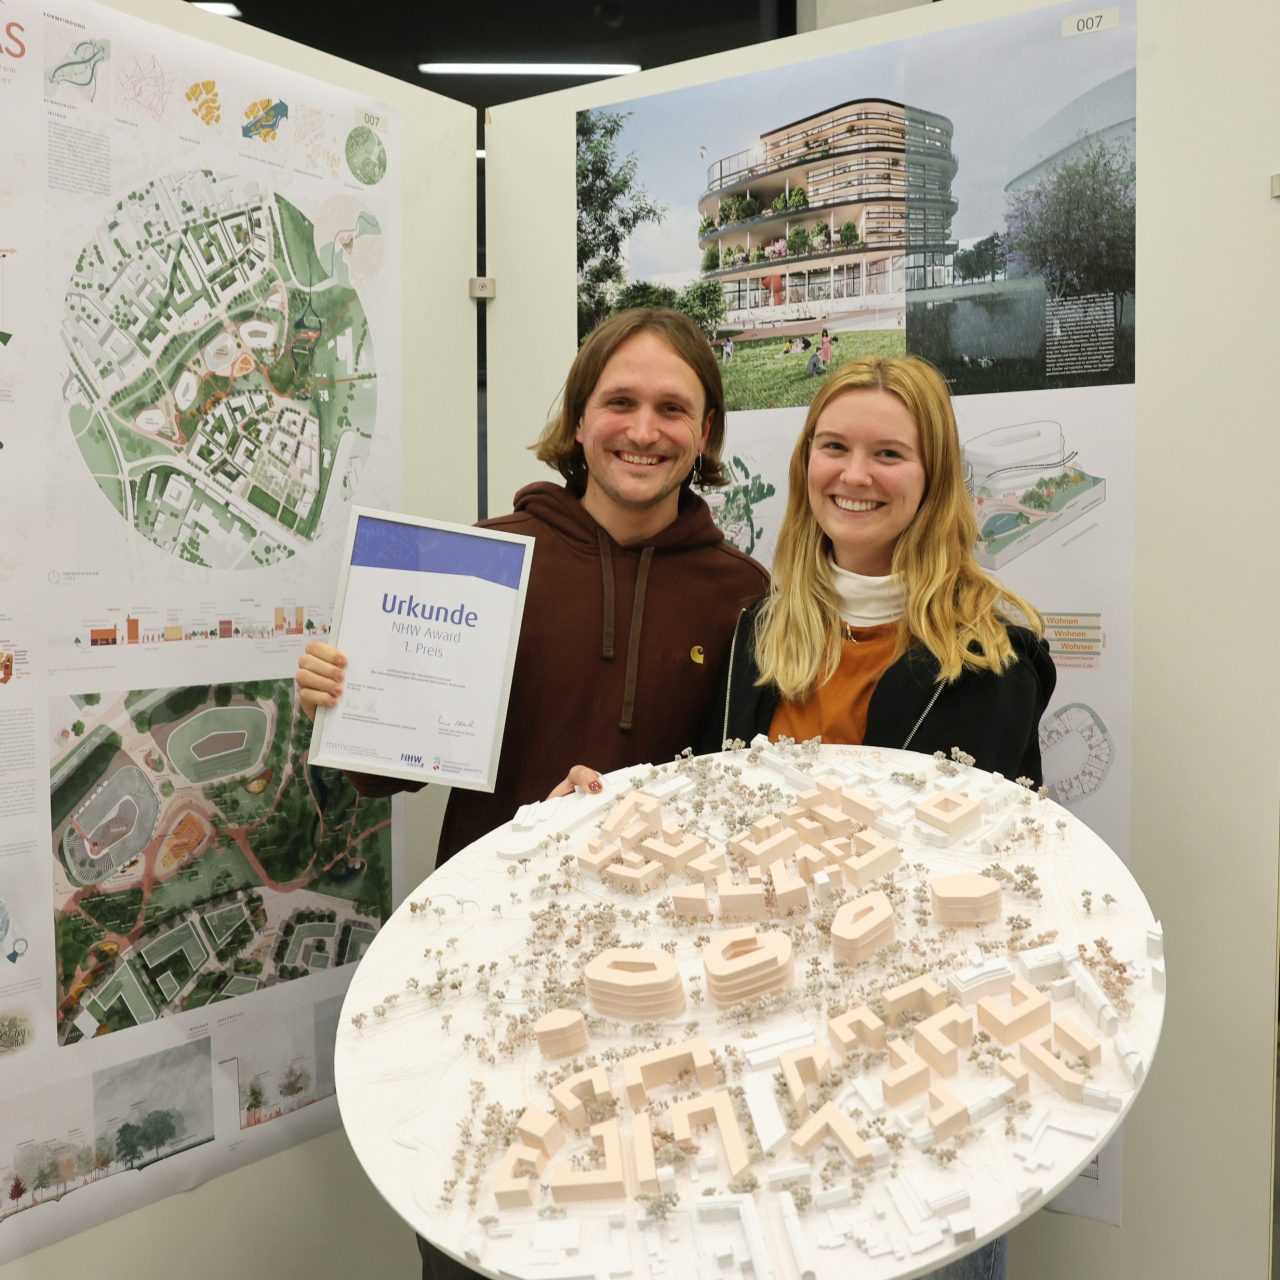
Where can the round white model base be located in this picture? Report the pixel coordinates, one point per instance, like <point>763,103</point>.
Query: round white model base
<point>891,1088</point>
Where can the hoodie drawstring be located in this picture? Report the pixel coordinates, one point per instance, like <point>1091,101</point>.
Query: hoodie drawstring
<point>606,574</point>
<point>633,641</point>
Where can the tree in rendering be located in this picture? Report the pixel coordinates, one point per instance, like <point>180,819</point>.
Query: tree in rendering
<point>158,1128</point>
<point>253,1100</point>
<point>128,1143</point>
<point>295,1080</point>
<point>611,205</point>
<point>1076,226</point>
<point>17,1189</point>
<point>640,293</point>
<point>703,302</point>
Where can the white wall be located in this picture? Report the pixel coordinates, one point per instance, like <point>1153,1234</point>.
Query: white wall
<point>310,1210</point>
<point>1198,1148</point>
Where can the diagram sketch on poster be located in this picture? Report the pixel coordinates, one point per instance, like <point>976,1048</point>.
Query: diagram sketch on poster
<point>1025,486</point>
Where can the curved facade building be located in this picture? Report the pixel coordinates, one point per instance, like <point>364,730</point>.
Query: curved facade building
<point>839,211</point>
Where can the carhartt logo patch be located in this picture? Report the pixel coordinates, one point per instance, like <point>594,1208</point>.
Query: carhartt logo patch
<point>697,654</point>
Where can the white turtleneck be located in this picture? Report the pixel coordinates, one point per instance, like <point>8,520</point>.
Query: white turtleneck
<point>867,602</point>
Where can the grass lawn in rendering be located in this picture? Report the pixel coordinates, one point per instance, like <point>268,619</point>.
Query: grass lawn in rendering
<point>760,376</point>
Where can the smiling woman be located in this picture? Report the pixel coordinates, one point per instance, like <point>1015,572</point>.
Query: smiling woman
<point>880,627</point>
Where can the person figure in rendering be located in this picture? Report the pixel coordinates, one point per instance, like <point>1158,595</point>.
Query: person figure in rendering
<point>633,592</point>
<point>726,351</point>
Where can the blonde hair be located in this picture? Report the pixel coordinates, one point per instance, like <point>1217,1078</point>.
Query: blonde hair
<point>557,446</point>
<point>953,608</point>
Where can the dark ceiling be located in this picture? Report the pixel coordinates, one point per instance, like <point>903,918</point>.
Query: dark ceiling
<point>394,37</point>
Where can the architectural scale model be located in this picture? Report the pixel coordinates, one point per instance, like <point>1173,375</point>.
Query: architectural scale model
<point>787,1013</point>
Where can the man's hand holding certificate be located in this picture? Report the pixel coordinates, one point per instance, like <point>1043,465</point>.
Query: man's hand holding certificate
<point>428,616</point>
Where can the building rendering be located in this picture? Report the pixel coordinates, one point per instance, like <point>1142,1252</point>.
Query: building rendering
<point>836,212</point>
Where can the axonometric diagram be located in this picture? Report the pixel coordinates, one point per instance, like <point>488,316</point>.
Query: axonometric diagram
<point>1025,485</point>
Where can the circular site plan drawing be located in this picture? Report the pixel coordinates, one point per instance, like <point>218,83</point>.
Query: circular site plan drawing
<point>793,1012</point>
<point>221,382</point>
<point>366,156</point>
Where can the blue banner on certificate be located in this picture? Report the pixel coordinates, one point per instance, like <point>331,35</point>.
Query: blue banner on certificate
<point>428,615</point>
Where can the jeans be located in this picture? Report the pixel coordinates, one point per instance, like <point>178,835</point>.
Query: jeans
<point>987,1263</point>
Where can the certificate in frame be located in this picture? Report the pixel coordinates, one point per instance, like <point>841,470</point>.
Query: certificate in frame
<point>428,615</point>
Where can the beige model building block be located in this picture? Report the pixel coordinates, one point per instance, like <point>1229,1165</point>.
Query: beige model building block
<point>673,848</point>
<point>740,901</point>
<point>830,1122</point>
<point>690,901</point>
<point>1037,1053</point>
<point>636,984</point>
<point>571,1096</point>
<point>917,995</point>
<point>561,1033</point>
<point>541,1130</point>
<point>861,808</point>
<point>950,811</point>
<point>755,875</point>
<point>1025,1011</point>
<point>859,1028</point>
<point>833,819</point>
<point>599,854</point>
<point>638,875</point>
<point>966,899</point>
<point>801,1068</point>
<point>605,1183</point>
<point>809,861</point>
<point>742,964</point>
<point>706,866</point>
<point>947,1114</point>
<point>798,819</point>
<point>791,894</point>
<point>714,1108</point>
<point>872,855</point>
<point>1074,1039</point>
<point>513,1179</point>
<point>642,1150</point>
<point>908,1074</point>
<point>632,819</point>
<point>759,851</point>
<point>809,831</point>
<point>938,1038</point>
<point>1013,1070</point>
<point>644,1071</point>
<point>861,927</point>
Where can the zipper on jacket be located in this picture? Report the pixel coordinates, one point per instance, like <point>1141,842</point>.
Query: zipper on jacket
<point>936,694</point>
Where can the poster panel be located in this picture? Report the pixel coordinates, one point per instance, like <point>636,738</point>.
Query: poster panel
<point>200,371</point>
<point>967,196</point>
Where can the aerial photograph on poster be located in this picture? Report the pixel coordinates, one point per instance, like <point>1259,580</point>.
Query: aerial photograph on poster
<point>220,382</point>
<point>195,858</point>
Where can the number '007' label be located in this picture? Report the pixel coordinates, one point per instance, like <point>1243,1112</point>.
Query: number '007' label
<point>1083,24</point>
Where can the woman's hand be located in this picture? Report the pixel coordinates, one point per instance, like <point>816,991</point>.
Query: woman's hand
<point>580,778</point>
<point>319,677</point>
